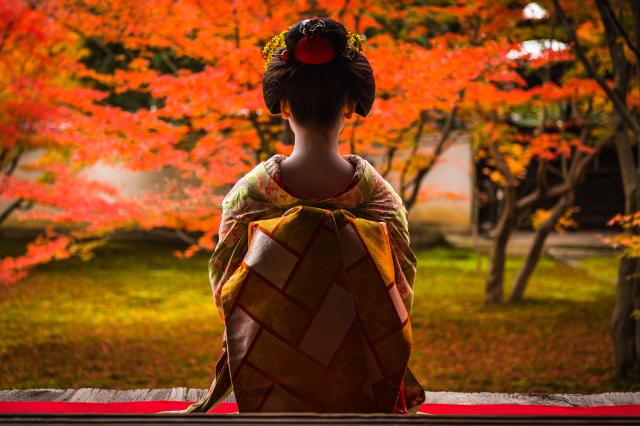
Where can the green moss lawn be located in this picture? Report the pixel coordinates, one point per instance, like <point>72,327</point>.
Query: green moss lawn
<point>134,316</point>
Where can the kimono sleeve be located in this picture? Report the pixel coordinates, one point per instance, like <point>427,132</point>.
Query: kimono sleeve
<point>384,204</point>
<point>232,239</point>
<point>228,254</point>
<point>240,206</point>
<point>398,227</point>
<point>403,256</point>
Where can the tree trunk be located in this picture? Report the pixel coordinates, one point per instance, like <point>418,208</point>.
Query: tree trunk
<point>625,334</point>
<point>624,327</point>
<point>495,279</point>
<point>533,256</point>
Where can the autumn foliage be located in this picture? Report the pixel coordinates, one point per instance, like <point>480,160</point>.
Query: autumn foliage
<point>174,86</point>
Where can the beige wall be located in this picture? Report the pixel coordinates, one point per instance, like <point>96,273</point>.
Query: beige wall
<point>447,190</point>
<point>129,182</point>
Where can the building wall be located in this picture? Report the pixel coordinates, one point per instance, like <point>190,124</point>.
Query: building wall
<point>447,191</point>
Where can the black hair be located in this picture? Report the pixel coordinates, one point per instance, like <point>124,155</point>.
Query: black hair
<point>317,92</point>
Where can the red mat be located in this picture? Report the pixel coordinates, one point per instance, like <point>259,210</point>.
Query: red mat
<point>228,407</point>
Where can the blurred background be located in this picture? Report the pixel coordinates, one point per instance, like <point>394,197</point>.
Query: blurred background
<point>509,128</point>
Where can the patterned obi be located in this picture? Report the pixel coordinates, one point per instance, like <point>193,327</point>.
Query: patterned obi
<point>314,320</point>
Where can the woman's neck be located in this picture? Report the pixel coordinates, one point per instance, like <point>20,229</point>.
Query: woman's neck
<point>319,145</point>
<point>315,169</point>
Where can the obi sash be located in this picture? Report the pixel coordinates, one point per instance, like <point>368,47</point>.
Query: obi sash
<point>314,321</point>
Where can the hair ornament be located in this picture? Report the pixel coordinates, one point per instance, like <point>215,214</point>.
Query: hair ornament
<point>311,26</point>
<point>276,43</point>
<point>313,47</point>
<point>354,41</point>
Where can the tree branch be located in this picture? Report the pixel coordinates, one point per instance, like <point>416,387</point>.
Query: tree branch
<point>253,118</point>
<point>414,150</point>
<point>3,155</point>
<point>570,183</point>
<point>502,165</point>
<point>14,162</point>
<point>168,62</point>
<point>423,171</point>
<point>618,103</point>
<point>618,26</point>
<point>9,209</point>
<point>390,154</point>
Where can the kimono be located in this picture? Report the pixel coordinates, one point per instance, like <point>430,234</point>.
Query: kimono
<point>315,295</point>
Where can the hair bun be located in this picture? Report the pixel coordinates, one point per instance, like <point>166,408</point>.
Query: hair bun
<point>317,93</point>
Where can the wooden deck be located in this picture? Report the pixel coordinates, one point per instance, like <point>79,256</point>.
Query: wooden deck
<point>190,394</point>
<point>187,394</point>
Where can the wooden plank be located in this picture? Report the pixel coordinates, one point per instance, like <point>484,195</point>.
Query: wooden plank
<point>191,394</point>
<point>102,395</point>
<point>31,394</point>
<point>566,400</point>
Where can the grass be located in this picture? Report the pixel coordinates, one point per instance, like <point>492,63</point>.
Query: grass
<point>557,340</point>
<point>134,316</point>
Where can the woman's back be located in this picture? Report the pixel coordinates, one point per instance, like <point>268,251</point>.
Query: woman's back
<point>315,177</point>
<point>314,319</point>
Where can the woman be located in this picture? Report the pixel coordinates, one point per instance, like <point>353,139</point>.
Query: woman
<point>313,273</point>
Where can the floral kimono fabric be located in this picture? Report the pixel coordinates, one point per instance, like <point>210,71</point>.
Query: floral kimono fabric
<point>314,320</point>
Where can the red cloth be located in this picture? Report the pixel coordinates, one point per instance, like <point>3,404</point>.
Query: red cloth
<point>135,407</point>
<point>145,407</point>
<point>530,410</point>
<point>401,403</point>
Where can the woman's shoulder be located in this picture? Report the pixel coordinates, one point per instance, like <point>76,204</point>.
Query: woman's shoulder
<point>378,184</point>
<point>380,200</point>
<point>243,186</point>
<point>246,199</point>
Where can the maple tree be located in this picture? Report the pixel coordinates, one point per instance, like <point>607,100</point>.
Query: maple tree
<point>423,67</point>
<point>580,137</point>
<point>613,33</point>
<point>556,154</point>
<point>586,120</point>
<point>175,85</point>
<point>497,105</point>
<point>468,80</point>
<point>152,100</point>
<point>46,118</point>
